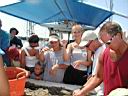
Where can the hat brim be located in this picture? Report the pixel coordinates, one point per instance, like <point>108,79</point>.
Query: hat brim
<point>83,43</point>
<point>52,39</point>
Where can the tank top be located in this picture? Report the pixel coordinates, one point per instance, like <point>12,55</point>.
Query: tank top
<point>79,54</point>
<point>115,73</point>
<point>30,60</point>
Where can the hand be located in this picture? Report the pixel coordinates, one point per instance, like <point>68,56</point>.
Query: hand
<point>52,72</point>
<point>45,49</point>
<point>75,45</point>
<point>78,92</point>
<point>37,54</point>
<point>53,69</point>
<point>77,63</point>
<point>64,43</point>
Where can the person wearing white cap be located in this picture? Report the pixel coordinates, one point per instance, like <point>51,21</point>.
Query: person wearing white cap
<point>87,37</point>
<point>80,59</point>
<point>53,59</point>
<point>4,84</point>
<point>91,41</point>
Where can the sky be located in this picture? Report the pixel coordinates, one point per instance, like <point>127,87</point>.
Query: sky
<point>120,6</point>
<point>9,21</point>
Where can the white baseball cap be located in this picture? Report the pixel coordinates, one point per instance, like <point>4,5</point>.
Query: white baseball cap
<point>87,36</point>
<point>53,38</point>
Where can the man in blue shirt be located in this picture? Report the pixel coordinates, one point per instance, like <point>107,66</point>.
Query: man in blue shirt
<point>4,43</point>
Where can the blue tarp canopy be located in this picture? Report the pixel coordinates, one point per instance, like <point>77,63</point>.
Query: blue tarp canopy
<point>47,11</point>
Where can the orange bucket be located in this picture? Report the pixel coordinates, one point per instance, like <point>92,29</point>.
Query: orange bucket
<point>17,78</point>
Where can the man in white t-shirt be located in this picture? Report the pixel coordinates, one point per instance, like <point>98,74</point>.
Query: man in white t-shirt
<point>91,41</point>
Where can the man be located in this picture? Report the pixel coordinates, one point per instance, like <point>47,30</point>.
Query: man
<point>4,43</point>
<point>91,41</point>
<point>112,66</point>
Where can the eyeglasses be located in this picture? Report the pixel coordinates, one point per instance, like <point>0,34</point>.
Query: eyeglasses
<point>109,41</point>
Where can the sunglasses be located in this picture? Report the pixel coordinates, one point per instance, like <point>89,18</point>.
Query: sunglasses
<point>109,41</point>
<point>76,32</point>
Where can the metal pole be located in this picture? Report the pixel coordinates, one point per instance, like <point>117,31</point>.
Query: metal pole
<point>111,9</point>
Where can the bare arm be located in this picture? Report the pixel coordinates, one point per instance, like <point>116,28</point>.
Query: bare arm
<point>54,68</point>
<point>65,55</point>
<point>41,56</point>
<point>22,59</point>
<point>4,84</point>
<point>67,52</point>
<point>88,62</point>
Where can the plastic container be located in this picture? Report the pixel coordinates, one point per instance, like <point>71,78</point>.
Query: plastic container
<point>17,78</point>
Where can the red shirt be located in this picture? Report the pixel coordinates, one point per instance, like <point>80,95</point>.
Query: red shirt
<point>115,73</point>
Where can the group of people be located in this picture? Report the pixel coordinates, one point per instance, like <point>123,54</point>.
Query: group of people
<point>10,44</point>
<point>111,67</point>
<point>96,62</point>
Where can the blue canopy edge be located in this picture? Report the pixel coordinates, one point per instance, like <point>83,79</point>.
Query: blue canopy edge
<point>46,11</point>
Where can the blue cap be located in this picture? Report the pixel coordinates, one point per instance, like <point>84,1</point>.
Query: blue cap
<point>1,52</point>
